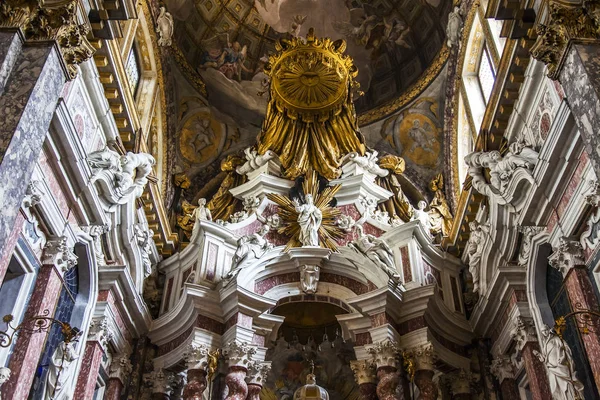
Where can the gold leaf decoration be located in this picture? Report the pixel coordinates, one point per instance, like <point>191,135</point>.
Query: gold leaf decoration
<point>328,231</point>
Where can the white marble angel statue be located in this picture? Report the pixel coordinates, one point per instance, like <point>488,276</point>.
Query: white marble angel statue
<point>419,214</point>
<point>376,250</point>
<point>251,246</point>
<point>309,219</point>
<point>135,168</point>
<point>454,27</point>
<point>556,355</point>
<point>164,27</point>
<point>60,370</point>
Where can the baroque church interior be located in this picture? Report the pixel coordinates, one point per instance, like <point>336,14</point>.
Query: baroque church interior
<point>299,199</point>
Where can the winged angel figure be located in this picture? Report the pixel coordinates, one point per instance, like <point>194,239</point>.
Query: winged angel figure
<point>223,55</point>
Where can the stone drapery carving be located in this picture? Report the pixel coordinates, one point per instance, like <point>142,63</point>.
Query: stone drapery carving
<point>250,247</point>
<point>474,249</point>
<point>309,278</point>
<point>309,220</point>
<point>419,214</point>
<point>127,174</point>
<point>41,21</point>
<point>254,160</point>
<point>525,251</point>
<point>565,23</point>
<point>376,250</point>
<point>454,27</point>
<point>355,164</point>
<point>164,27</point>
<point>556,355</point>
<point>568,255</point>
<point>57,252</point>
<point>144,240</point>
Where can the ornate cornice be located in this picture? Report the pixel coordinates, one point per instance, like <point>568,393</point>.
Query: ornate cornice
<point>566,22</point>
<point>41,21</point>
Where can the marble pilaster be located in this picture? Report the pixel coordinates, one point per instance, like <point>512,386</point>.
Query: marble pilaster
<point>504,370</point>
<point>365,374</point>
<point>11,43</point>
<point>90,368</point>
<point>26,108</point>
<point>526,343</point>
<point>28,347</point>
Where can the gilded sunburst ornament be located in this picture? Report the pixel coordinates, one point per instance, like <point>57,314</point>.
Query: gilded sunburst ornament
<point>328,230</point>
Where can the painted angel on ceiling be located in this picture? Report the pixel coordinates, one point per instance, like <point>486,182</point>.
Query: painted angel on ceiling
<point>223,55</point>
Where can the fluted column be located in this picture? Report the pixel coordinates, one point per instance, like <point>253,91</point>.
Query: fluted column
<point>119,370</point>
<point>197,359</point>
<point>385,355</point>
<point>365,374</point>
<point>504,370</point>
<point>256,378</point>
<point>57,258</point>
<point>526,341</point>
<point>423,357</point>
<point>238,357</point>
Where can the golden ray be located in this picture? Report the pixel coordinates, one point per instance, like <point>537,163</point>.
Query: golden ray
<point>328,231</point>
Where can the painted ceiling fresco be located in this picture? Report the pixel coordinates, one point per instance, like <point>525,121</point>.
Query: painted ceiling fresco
<point>392,41</point>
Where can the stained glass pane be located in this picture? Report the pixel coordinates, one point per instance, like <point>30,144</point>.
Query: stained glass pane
<point>133,70</point>
<point>486,75</point>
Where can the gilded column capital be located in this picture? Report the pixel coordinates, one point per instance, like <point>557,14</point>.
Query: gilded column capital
<point>56,252</point>
<point>566,256</point>
<point>385,353</point>
<point>239,354</point>
<point>365,371</point>
<point>42,21</point>
<point>503,368</point>
<point>423,356</point>
<point>566,22</point>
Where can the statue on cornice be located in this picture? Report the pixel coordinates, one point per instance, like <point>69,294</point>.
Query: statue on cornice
<point>164,27</point>
<point>422,216</point>
<point>61,369</point>
<point>454,27</point>
<point>309,220</point>
<point>474,249</point>
<point>251,246</point>
<point>439,212</point>
<point>557,356</point>
<point>376,250</point>
<point>135,168</point>
<point>201,213</point>
<point>398,206</point>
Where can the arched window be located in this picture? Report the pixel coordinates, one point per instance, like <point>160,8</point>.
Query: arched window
<point>558,299</point>
<point>486,74</point>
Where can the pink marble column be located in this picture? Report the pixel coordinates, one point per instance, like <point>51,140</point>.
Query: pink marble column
<point>119,371</point>
<point>29,346</point>
<point>536,372</point>
<point>196,384</point>
<point>504,370</point>
<point>389,379</point>
<point>88,374</point>
<point>582,297</point>
<point>253,392</point>
<point>509,390</point>
<point>236,383</point>
<point>424,381</point>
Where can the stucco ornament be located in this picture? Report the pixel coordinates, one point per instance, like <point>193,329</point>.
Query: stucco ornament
<point>309,278</point>
<point>346,223</point>
<point>557,357</point>
<point>368,163</point>
<point>566,256</point>
<point>250,247</point>
<point>376,250</point>
<point>454,27</point>
<point>254,160</point>
<point>164,27</point>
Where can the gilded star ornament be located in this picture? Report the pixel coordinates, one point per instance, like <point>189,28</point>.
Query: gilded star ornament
<point>328,230</point>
